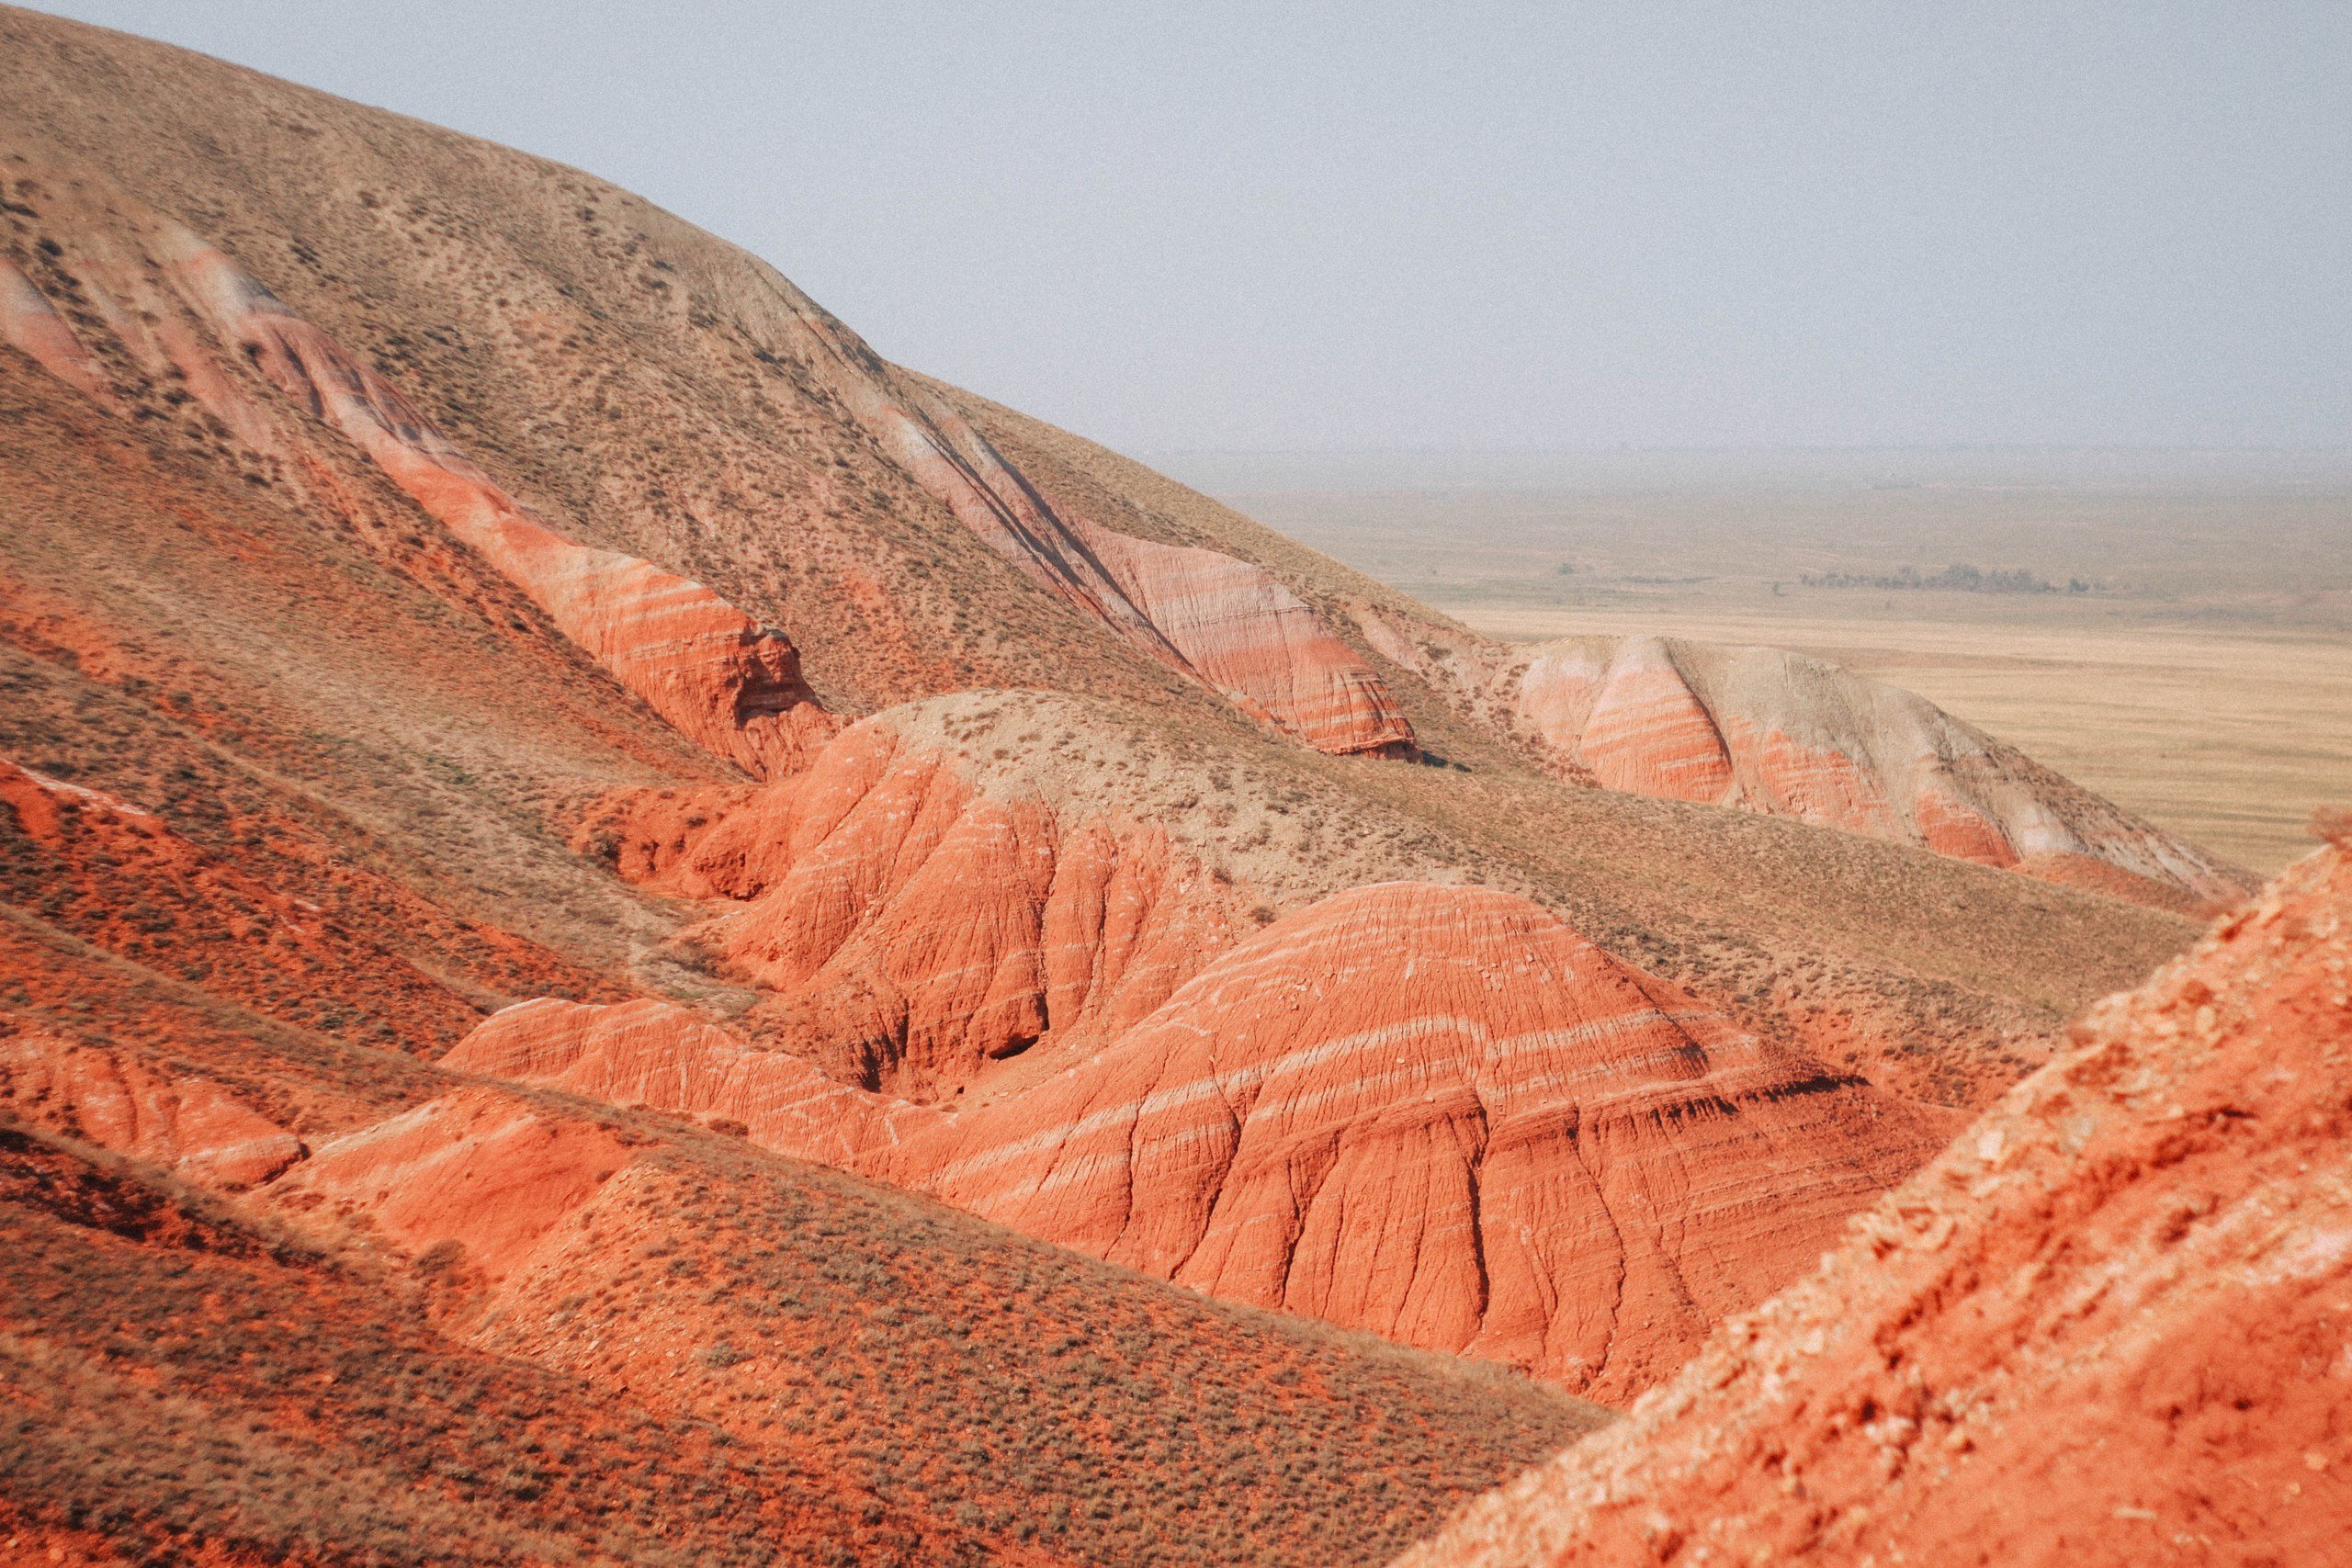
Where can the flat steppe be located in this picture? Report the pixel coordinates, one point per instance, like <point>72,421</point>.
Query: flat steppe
<point>2201,674</point>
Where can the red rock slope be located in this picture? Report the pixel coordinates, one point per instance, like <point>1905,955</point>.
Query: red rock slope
<point>911,925</point>
<point>1763,729</point>
<point>721,678</point>
<point>1218,619</point>
<point>1438,1113</point>
<point>1434,1112</point>
<point>2112,1324</point>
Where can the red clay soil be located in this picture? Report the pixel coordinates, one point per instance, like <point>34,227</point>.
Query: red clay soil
<point>2111,1325</point>
<point>119,876</point>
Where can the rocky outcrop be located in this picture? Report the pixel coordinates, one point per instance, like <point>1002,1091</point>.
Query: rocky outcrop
<point>2111,1325</point>
<point>187,1124</point>
<point>1256,643</point>
<point>1779,733</point>
<point>1763,729</point>
<point>31,323</point>
<point>726,682</point>
<point>1434,1112</point>
<point>911,925</point>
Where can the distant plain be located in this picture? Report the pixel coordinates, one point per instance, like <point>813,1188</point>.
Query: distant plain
<point>2191,656</point>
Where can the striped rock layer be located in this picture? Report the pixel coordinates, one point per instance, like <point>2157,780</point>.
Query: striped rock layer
<point>1220,620</point>
<point>718,676</point>
<point>2112,1324</point>
<point>187,1124</point>
<point>1256,643</point>
<point>1779,733</point>
<point>1434,1112</point>
<point>909,929</point>
<point>727,682</point>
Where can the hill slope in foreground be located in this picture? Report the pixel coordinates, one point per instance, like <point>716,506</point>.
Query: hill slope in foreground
<point>2111,1325</point>
<point>554,807</point>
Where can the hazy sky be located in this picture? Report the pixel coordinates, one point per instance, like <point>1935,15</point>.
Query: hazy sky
<point>1469,226</point>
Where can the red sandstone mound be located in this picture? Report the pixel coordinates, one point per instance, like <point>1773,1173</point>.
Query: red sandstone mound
<point>186,1124</point>
<point>1438,1113</point>
<point>2112,1324</point>
<point>910,922</point>
<point>1766,730</point>
<point>722,678</point>
<point>1777,732</point>
<point>1434,1112</point>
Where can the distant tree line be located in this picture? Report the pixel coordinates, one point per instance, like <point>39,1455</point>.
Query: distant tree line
<point>1958,578</point>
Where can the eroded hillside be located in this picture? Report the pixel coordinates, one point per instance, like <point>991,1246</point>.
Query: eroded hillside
<point>523,741</point>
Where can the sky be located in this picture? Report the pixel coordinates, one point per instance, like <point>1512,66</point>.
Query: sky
<point>1468,227</point>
